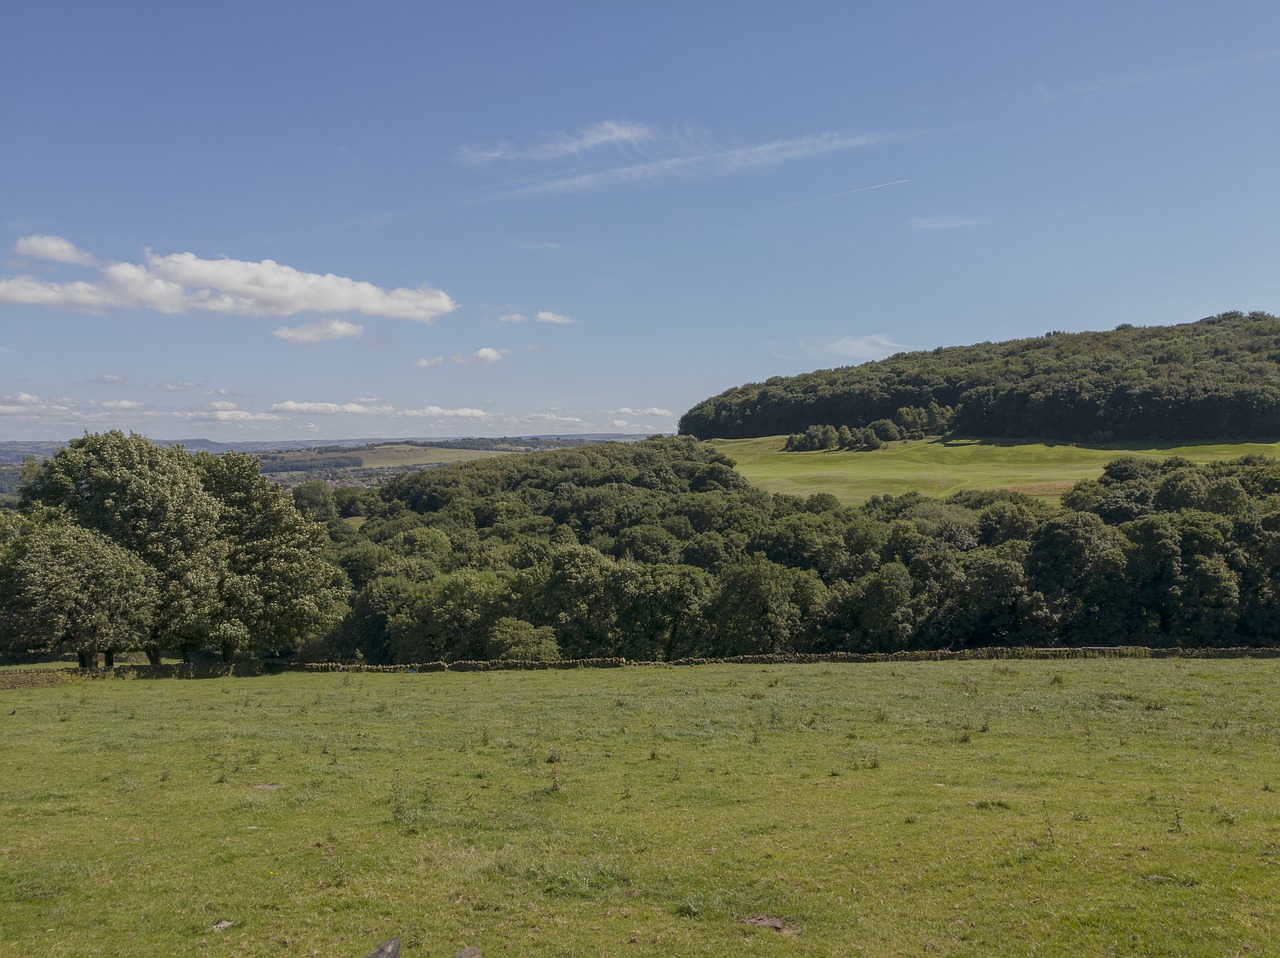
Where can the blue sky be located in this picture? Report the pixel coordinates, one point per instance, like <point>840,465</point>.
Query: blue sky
<point>288,220</point>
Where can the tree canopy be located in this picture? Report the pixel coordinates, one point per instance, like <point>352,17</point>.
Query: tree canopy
<point>1217,378</point>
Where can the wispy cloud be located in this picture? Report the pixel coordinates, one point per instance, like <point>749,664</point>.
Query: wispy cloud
<point>112,379</point>
<point>858,348</point>
<point>557,319</point>
<point>1120,80</point>
<point>608,133</point>
<point>654,156</point>
<point>945,223</point>
<point>320,332</point>
<point>429,363</point>
<point>185,283</point>
<point>513,318</point>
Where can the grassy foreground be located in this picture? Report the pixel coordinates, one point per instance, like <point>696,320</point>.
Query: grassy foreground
<point>935,467</point>
<point>1085,807</point>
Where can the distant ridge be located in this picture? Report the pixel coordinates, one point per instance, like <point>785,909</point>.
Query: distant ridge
<point>1218,378</point>
<point>14,451</point>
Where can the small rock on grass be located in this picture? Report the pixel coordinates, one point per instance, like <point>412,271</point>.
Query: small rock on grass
<point>388,949</point>
<point>764,921</point>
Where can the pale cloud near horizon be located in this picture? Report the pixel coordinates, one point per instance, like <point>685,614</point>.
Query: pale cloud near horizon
<point>648,411</point>
<point>376,409</point>
<point>429,363</point>
<point>513,318</point>
<point>112,379</point>
<point>180,283</point>
<point>323,331</point>
<point>558,319</point>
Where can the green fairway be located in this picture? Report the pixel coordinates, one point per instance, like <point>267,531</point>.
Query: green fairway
<point>1083,807</point>
<point>936,467</point>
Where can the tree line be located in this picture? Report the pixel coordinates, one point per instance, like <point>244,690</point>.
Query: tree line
<point>648,550</point>
<point>1217,378</point>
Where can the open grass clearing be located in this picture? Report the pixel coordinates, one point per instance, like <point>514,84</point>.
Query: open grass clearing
<point>936,467</point>
<point>1084,807</point>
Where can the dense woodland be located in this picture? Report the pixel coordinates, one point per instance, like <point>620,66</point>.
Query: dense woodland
<point>649,550</point>
<point>1218,378</point>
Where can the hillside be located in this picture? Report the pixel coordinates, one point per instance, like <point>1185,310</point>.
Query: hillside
<point>1218,378</point>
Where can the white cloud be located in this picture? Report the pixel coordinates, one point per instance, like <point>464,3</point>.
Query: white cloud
<point>861,348</point>
<point>437,412</point>
<point>482,356</point>
<point>54,248</point>
<point>619,423</point>
<point>559,145</point>
<point>318,332</point>
<point>224,412</point>
<point>177,385</point>
<point>513,318</point>
<point>944,223</point>
<point>546,316</point>
<point>429,363</point>
<point>333,408</point>
<point>548,417</point>
<point>647,411</point>
<point>368,399</point>
<point>127,404</point>
<point>184,283</point>
<point>112,379</point>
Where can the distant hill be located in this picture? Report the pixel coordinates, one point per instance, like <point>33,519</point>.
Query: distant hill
<point>1218,378</point>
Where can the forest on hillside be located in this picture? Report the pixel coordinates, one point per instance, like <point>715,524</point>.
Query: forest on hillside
<point>649,550</point>
<point>1217,378</point>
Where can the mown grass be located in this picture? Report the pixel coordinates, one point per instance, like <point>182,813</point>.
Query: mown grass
<point>937,467</point>
<point>1084,807</point>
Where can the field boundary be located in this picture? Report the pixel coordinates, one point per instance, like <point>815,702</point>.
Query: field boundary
<point>29,678</point>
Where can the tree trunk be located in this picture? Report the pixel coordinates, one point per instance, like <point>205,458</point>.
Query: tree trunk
<point>109,659</point>
<point>228,652</point>
<point>153,656</point>
<point>88,660</point>
<point>186,655</point>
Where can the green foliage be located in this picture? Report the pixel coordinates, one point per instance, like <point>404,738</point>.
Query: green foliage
<point>231,561</point>
<point>523,641</point>
<point>1216,378</point>
<point>70,589</point>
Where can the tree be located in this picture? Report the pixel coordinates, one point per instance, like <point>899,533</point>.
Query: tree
<point>518,640</point>
<point>276,589</point>
<point>762,607</point>
<point>149,501</point>
<point>72,589</point>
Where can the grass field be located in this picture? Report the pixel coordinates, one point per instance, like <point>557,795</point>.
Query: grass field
<point>382,457</point>
<point>1084,808</point>
<point>936,467</point>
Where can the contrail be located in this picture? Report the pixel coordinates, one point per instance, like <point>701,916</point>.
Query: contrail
<point>819,199</point>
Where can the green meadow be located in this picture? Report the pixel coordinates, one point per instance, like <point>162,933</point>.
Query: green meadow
<point>1084,807</point>
<point>940,467</point>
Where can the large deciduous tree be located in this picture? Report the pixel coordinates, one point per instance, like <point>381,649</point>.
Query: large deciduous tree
<point>149,501</point>
<point>66,588</point>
